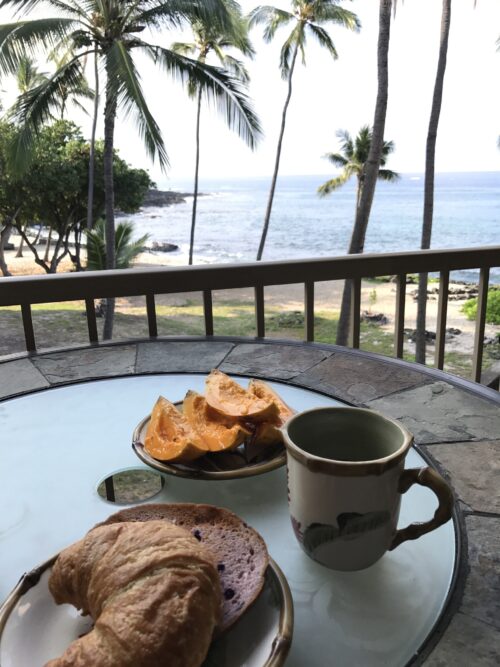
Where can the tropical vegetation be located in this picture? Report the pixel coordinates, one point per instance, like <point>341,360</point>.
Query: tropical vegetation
<point>492,307</point>
<point>111,31</point>
<point>352,160</point>
<point>52,192</point>
<point>126,247</point>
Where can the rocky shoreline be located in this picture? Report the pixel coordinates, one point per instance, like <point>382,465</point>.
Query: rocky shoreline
<point>166,197</point>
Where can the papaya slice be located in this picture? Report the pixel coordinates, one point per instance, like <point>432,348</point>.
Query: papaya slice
<point>217,432</point>
<point>228,398</point>
<point>170,437</point>
<point>268,432</point>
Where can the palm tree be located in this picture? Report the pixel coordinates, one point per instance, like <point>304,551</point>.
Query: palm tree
<point>373,162</point>
<point>209,39</point>
<point>307,18</point>
<point>430,155</point>
<point>126,250</point>
<point>111,29</point>
<point>352,161</point>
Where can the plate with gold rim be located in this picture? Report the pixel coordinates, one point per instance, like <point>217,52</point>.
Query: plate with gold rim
<point>261,638</point>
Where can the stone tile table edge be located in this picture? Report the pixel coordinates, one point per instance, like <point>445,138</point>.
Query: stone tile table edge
<point>181,356</point>
<point>87,363</point>
<point>20,376</point>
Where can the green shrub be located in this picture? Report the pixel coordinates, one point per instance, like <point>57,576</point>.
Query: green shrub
<point>492,307</point>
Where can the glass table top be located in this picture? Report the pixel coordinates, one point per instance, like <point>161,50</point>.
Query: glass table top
<point>58,445</point>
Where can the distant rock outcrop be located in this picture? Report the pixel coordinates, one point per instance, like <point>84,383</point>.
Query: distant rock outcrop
<point>162,246</point>
<point>165,198</point>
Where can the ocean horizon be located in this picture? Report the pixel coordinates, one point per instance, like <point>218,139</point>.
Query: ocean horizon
<point>231,213</point>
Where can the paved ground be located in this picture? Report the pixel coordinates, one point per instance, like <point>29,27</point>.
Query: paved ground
<point>456,422</point>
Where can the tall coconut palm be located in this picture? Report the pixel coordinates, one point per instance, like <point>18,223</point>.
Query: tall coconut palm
<point>352,160</point>
<point>373,162</point>
<point>307,18</point>
<point>430,154</point>
<point>209,39</point>
<point>111,29</point>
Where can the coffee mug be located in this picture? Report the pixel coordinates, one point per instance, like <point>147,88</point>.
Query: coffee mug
<point>345,480</point>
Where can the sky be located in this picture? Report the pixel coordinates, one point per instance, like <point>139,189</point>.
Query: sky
<point>330,95</point>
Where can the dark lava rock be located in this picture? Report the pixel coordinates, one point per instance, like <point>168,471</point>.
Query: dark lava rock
<point>166,197</point>
<point>162,246</point>
<point>374,318</point>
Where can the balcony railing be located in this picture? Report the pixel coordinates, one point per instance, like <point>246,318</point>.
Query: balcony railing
<point>25,291</point>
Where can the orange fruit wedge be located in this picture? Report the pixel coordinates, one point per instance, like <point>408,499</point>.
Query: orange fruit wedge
<point>228,398</point>
<point>217,432</point>
<point>268,432</point>
<point>170,436</point>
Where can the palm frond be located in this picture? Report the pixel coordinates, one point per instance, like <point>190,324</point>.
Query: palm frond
<point>25,38</point>
<point>175,13</point>
<point>216,85</point>
<point>328,12</point>
<point>272,19</point>
<point>336,159</point>
<point>388,175</point>
<point>333,184</point>
<point>323,39</point>
<point>184,48</point>
<point>234,66</point>
<point>126,250</point>
<point>126,80</point>
<point>36,107</point>
<point>96,247</point>
<point>293,41</point>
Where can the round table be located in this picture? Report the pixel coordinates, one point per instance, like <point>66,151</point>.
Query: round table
<point>58,445</point>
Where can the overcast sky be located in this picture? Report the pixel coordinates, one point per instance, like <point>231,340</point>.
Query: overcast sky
<point>330,95</point>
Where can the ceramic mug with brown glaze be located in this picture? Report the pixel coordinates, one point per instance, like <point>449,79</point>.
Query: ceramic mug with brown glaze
<point>345,480</point>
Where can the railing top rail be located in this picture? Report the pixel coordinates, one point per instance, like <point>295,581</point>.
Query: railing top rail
<point>137,282</point>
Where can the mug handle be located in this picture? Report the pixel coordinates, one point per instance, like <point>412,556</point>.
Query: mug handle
<point>430,478</point>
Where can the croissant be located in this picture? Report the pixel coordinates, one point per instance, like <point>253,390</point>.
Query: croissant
<point>152,589</point>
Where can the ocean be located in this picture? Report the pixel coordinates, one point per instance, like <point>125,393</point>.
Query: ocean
<point>231,212</point>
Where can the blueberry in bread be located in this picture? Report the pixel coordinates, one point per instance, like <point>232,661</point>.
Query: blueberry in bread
<point>240,552</point>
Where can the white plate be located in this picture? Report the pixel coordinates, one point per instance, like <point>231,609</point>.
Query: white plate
<point>261,638</point>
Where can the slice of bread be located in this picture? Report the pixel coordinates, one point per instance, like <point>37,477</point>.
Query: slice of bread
<point>241,553</point>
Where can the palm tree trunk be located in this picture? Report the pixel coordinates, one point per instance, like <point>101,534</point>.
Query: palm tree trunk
<point>109,198</point>
<point>196,173</point>
<point>278,157</point>
<point>345,307</point>
<point>373,162</point>
<point>90,197</point>
<point>430,154</point>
